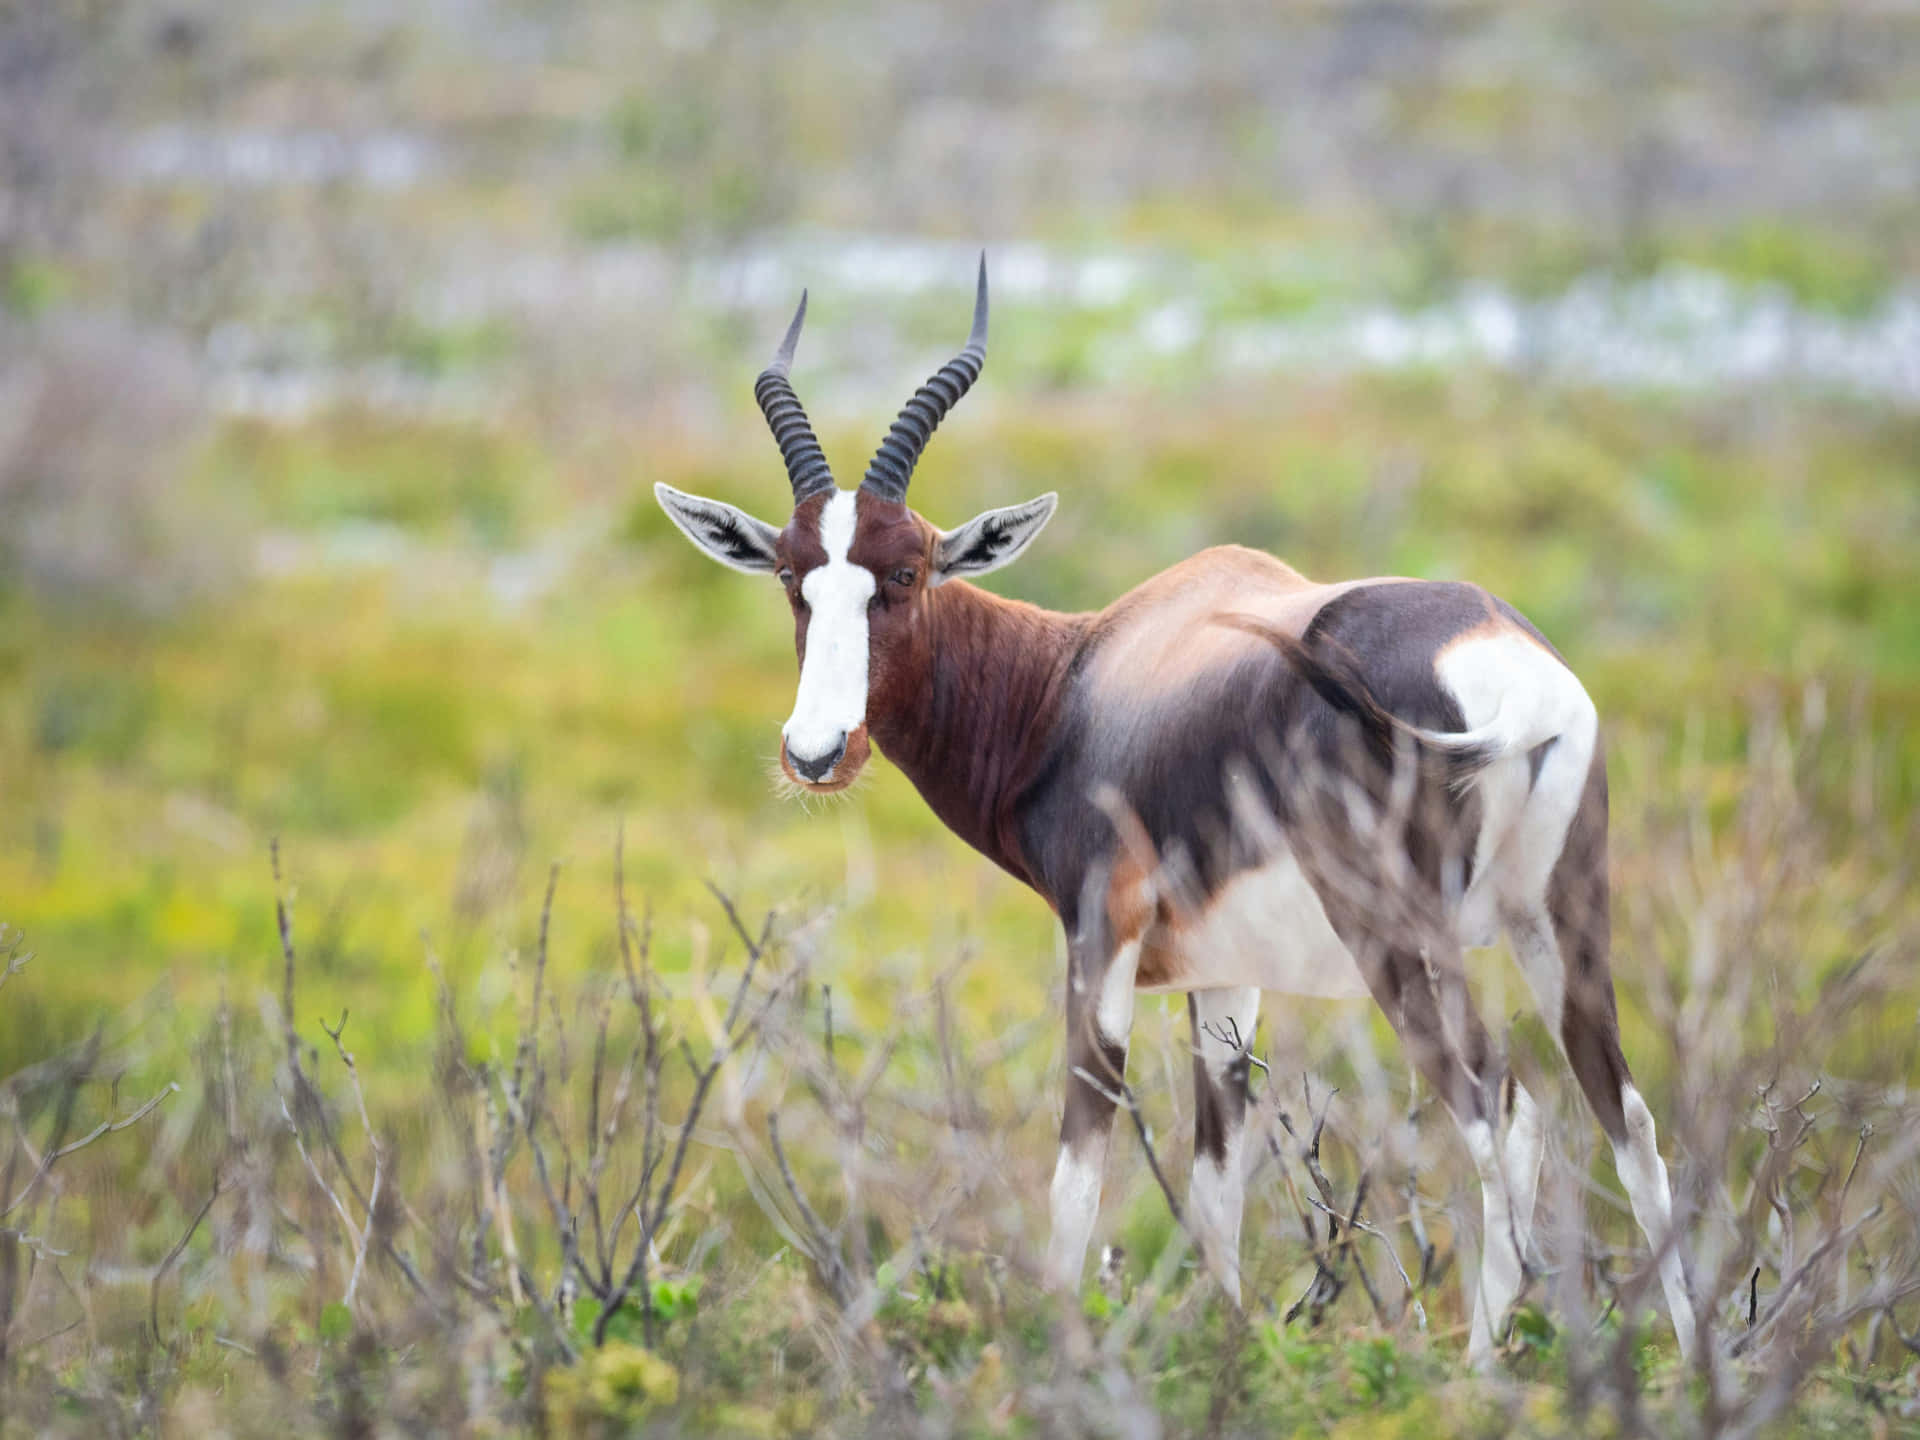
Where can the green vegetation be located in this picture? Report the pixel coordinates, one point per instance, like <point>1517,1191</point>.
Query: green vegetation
<point>420,740</point>
<point>338,355</point>
<point>396,723</point>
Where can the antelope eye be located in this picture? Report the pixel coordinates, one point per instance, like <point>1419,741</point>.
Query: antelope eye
<point>785,577</point>
<point>903,576</point>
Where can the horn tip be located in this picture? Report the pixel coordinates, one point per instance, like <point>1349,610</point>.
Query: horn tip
<point>784,356</point>
<point>979,335</point>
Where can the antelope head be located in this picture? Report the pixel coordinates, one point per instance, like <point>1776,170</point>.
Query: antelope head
<point>858,566</point>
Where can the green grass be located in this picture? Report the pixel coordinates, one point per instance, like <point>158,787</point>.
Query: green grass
<point>421,751</point>
<point>424,732</point>
<point>1687,559</point>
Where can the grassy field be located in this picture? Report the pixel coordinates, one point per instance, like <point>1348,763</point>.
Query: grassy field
<point>1733,578</point>
<point>421,742</point>
<point>357,701</point>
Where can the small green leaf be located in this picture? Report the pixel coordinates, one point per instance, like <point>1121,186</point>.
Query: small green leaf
<point>586,1312</point>
<point>676,1299</point>
<point>626,1325</point>
<point>336,1322</point>
<point>1532,1328</point>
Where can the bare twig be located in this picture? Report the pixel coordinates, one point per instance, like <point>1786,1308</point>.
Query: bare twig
<point>1354,1222</point>
<point>1121,1094</point>
<point>283,919</point>
<point>1229,1036</point>
<point>339,1205</point>
<point>307,1105</point>
<point>649,1202</point>
<point>1839,1240</point>
<point>824,1248</point>
<point>379,1157</point>
<point>17,960</point>
<point>43,1165</point>
<point>153,1294</point>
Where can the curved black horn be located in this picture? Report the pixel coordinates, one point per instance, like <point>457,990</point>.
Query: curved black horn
<point>893,464</point>
<point>806,461</point>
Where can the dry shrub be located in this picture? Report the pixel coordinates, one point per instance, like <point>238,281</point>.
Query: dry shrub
<point>729,1201</point>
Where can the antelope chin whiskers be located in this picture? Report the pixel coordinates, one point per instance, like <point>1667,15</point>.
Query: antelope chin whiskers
<point>785,787</point>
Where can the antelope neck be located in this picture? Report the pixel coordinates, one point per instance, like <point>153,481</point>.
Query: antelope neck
<point>972,713</point>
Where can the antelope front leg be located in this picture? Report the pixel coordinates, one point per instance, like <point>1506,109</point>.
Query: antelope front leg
<point>1099,1019</point>
<point>1223,1022</point>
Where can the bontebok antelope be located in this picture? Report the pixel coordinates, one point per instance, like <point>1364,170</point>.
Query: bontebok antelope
<point>1232,779</point>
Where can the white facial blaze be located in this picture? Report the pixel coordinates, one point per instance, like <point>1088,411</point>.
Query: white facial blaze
<point>832,701</point>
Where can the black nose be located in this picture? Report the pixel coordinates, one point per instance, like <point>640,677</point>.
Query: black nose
<point>817,768</point>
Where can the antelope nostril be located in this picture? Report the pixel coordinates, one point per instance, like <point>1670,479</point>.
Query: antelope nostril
<point>817,768</point>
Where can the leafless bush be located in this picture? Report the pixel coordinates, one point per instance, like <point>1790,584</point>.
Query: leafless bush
<point>544,1185</point>
<point>47,1108</point>
<point>661,1195</point>
<point>1782,1094</point>
<point>605,1181</point>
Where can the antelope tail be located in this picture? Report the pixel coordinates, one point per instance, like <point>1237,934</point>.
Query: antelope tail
<point>1334,674</point>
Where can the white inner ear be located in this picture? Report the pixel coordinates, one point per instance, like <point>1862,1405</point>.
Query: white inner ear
<point>832,700</point>
<point>731,536</point>
<point>991,539</point>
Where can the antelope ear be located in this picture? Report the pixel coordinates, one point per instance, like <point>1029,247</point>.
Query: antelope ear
<point>731,536</point>
<point>991,539</point>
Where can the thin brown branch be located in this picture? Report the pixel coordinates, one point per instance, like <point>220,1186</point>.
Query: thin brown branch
<point>379,1157</point>
<point>1121,1094</point>
<point>1353,1222</point>
<point>824,1247</point>
<point>43,1164</point>
<point>180,1245</point>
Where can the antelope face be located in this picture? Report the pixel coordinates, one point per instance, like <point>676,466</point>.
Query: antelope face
<point>858,570</point>
<point>858,566</point>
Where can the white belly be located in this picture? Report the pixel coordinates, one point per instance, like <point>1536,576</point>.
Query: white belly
<point>1265,929</point>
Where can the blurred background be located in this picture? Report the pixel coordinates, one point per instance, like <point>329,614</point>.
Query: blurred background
<point>340,346</point>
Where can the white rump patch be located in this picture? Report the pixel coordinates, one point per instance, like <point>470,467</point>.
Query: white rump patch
<point>832,700</point>
<point>1511,687</point>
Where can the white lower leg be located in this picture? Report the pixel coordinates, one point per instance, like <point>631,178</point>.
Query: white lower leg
<point>1526,1147</point>
<point>1075,1205</point>
<point>1075,1198</point>
<point>1637,1160</point>
<point>1500,1270</point>
<point>1216,1195</point>
<point>1215,1200</point>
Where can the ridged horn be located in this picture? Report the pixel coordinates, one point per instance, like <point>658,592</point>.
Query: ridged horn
<point>806,461</point>
<point>893,463</point>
